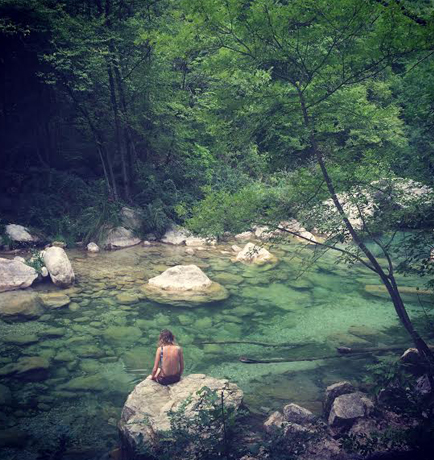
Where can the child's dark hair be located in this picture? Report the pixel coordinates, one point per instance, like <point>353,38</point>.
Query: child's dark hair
<point>166,337</point>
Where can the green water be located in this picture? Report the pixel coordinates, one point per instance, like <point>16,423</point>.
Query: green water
<point>106,337</point>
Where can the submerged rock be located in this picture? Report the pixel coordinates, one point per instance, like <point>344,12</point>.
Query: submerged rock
<point>33,368</point>
<point>54,300</point>
<point>14,274</point>
<point>59,267</point>
<point>184,285</point>
<point>145,413</point>
<point>20,306</point>
<point>120,237</point>
<point>254,254</point>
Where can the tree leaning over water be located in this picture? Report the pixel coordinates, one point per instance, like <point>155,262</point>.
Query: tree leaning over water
<point>324,67</point>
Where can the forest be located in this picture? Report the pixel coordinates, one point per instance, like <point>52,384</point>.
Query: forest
<point>222,117</point>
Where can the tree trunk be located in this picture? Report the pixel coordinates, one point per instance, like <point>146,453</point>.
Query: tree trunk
<point>130,147</point>
<point>114,103</point>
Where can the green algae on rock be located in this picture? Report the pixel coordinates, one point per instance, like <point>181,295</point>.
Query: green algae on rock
<point>54,299</point>
<point>20,306</point>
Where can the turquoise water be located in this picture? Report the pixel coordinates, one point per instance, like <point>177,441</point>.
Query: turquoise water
<point>102,342</point>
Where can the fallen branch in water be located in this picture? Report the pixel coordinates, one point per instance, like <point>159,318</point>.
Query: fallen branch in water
<point>246,360</point>
<point>249,342</point>
<point>348,350</point>
<point>342,351</point>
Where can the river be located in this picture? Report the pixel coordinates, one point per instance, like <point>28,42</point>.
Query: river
<point>102,342</point>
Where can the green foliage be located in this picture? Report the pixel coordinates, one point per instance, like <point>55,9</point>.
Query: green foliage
<point>36,261</point>
<point>283,445</point>
<point>99,217</point>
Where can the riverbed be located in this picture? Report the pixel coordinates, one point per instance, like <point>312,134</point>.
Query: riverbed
<point>102,341</point>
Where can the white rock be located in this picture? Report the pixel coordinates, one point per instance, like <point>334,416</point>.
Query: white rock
<point>244,236</point>
<point>254,254</point>
<point>146,243</point>
<point>58,266</point>
<point>182,278</point>
<point>145,413</point>
<point>120,237</point>
<point>195,241</point>
<point>236,248</point>
<point>189,251</point>
<point>19,233</point>
<point>93,247</point>
<point>14,274</point>
<point>20,259</point>
<point>175,235</point>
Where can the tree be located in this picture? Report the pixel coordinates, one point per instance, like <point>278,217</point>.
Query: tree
<point>327,64</point>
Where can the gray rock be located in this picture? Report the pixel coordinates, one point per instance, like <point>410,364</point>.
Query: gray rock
<point>93,247</point>
<point>58,266</point>
<point>335,390</point>
<point>297,414</point>
<point>19,234</point>
<point>120,237</point>
<point>176,236</point>
<point>145,413</point>
<point>254,254</point>
<point>14,274</point>
<point>346,409</point>
<point>20,306</point>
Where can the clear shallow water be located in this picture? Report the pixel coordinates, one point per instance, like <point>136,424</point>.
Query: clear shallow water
<point>106,337</point>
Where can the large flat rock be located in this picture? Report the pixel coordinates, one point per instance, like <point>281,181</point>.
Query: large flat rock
<point>145,413</point>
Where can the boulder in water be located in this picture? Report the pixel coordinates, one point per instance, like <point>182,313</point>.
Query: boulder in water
<point>58,266</point>
<point>20,306</point>
<point>92,247</point>
<point>184,285</point>
<point>145,413</point>
<point>120,237</point>
<point>253,254</point>
<point>14,274</point>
